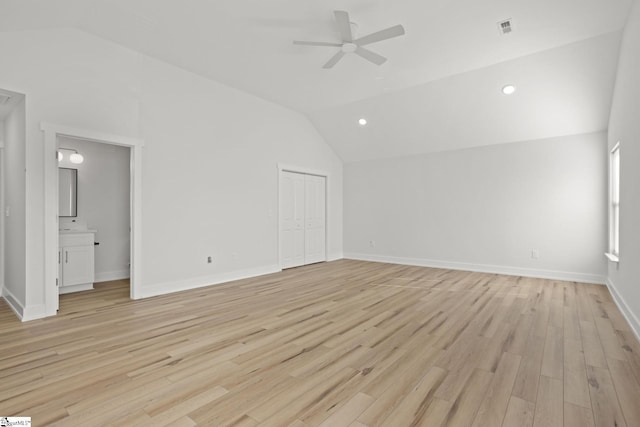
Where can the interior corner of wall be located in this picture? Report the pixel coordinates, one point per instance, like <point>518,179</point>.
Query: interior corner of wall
<point>12,302</point>
<point>335,256</point>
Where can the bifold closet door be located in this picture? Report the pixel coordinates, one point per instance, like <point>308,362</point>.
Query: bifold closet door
<point>302,218</point>
<point>314,213</point>
<point>292,211</point>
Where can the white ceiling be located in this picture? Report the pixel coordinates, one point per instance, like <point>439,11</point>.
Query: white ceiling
<point>561,91</point>
<point>438,90</point>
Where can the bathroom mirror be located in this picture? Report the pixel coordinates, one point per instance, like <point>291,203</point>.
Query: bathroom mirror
<point>67,192</point>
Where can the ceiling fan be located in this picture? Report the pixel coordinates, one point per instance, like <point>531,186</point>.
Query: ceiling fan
<point>351,45</point>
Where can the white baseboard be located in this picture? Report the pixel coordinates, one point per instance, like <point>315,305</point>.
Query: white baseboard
<point>108,276</point>
<point>483,268</point>
<point>13,302</point>
<point>200,282</point>
<point>34,312</point>
<point>631,318</point>
<point>25,314</point>
<point>335,256</point>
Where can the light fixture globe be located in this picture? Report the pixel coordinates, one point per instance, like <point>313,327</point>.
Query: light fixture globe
<point>362,122</point>
<point>76,158</point>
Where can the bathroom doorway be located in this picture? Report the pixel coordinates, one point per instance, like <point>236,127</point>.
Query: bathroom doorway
<point>96,203</point>
<point>111,263</point>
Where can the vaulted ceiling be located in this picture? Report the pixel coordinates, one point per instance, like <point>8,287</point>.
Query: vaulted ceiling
<point>439,89</point>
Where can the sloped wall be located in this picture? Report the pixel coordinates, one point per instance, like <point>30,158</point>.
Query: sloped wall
<point>624,126</point>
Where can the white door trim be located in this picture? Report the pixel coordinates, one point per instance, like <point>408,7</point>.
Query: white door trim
<point>281,167</point>
<point>51,132</point>
<point>2,214</point>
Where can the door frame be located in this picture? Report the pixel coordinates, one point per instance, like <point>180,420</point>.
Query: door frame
<point>2,212</point>
<point>296,169</point>
<point>51,224</point>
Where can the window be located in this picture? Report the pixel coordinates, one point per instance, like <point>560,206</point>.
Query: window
<point>614,202</point>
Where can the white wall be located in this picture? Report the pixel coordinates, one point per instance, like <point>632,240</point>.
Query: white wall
<point>624,126</point>
<point>103,203</point>
<point>2,233</point>
<point>14,200</point>
<point>485,208</point>
<point>215,172</point>
<point>209,163</point>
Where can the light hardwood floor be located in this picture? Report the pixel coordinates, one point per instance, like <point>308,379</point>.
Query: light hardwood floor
<point>345,343</point>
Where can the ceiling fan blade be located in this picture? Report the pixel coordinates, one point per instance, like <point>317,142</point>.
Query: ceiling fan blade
<point>370,56</point>
<point>344,25</point>
<point>390,32</point>
<point>334,60</point>
<point>316,43</point>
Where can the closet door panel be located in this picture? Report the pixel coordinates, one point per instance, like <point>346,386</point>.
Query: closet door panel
<point>315,228</point>
<point>292,219</point>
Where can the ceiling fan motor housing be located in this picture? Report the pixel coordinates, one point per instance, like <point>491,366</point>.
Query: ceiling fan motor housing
<point>349,47</point>
<point>349,44</point>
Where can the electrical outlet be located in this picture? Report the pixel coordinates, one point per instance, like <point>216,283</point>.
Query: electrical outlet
<point>535,254</point>
<point>209,260</point>
<point>372,243</point>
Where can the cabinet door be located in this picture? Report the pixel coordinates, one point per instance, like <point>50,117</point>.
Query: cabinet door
<point>77,265</point>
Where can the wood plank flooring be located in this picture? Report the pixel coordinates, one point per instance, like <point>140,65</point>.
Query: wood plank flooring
<point>345,343</point>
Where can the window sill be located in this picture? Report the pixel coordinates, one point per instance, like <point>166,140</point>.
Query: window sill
<point>612,257</point>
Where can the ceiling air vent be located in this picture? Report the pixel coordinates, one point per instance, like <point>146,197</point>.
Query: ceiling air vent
<point>4,98</point>
<point>506,26</point>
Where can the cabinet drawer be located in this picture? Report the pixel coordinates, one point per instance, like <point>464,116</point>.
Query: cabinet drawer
<point>76,239</point>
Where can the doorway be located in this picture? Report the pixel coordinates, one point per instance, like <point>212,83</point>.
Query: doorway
<point>52,133</point>
<point>302,218</point>
<point>96,204</point>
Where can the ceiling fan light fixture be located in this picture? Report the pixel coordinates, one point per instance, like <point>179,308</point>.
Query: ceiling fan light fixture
<point>349,43</point>
<point>349,47</point>
<point>508,89</point>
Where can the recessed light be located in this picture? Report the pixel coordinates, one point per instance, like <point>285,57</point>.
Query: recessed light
<point>508,89</point>
<point>362,122</point>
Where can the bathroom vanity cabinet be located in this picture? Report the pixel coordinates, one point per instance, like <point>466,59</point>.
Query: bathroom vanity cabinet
<point>76,261</point>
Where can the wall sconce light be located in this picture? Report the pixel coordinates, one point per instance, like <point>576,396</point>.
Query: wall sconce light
<point>73,155</point>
